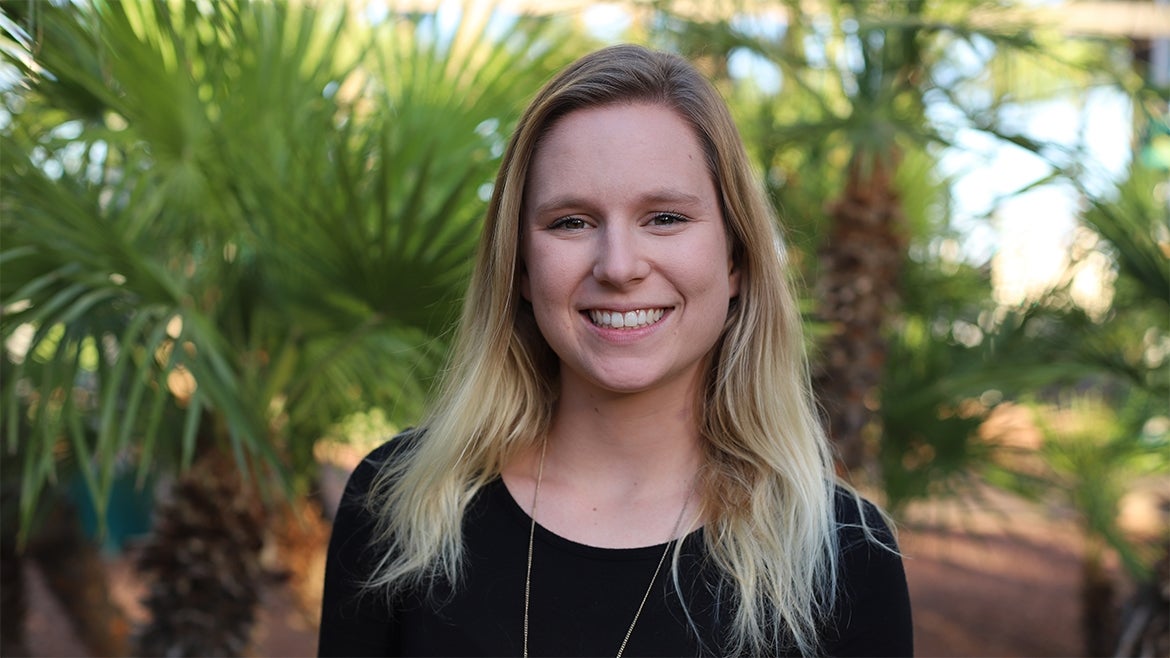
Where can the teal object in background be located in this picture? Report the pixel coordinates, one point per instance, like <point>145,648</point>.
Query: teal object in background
<point>128,515</point>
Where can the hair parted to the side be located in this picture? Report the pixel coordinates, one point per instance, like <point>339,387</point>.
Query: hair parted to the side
<point>769,482</point>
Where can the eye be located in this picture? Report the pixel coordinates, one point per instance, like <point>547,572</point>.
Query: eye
<point>667,219</point>
<point>569,223</point>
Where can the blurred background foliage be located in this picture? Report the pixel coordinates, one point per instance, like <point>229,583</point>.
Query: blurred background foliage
<point>236,234</point>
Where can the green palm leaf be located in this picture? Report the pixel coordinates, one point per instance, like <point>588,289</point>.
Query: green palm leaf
<point>269,227</point>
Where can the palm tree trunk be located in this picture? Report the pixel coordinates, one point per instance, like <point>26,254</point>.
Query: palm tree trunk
<point>1097,602</point>
<point>857,288</point>
<point>75,573</point>
<point>72,567</point>
<point>301,534</point>
<point>1145,620</point>
<point>203,564</point>
<point>13,599</point>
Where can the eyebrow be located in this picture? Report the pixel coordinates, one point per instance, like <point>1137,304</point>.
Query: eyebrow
<point>665,196</point>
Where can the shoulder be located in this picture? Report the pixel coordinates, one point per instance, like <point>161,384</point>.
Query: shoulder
<point>393,452</point>
<point>859,523</point>
<point>355,520</point>
<point>872,611</point>
<point>356,620</point>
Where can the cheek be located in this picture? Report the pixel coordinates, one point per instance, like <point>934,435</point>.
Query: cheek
<point>539,277</point>
<point>711,270</point>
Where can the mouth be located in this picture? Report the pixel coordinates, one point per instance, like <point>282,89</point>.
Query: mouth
<point>625,319</point>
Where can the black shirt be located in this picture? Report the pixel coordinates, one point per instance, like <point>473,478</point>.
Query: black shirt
<point>583,598</point>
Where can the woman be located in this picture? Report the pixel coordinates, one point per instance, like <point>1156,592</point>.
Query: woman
<point>625,457</point>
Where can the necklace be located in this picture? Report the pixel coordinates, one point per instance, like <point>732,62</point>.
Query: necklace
<point>532,535</point>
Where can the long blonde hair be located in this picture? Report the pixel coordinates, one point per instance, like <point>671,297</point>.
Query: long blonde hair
<point>769,482</point>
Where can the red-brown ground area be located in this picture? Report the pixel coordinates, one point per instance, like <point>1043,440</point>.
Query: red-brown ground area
<point>983,583</point>
<point>993,593</point>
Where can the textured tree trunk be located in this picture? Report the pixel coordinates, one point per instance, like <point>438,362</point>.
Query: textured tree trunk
<point>13,602</point>
<point>857,291</point>
<point>1097,611</point>
<point>202,564</point>
<point>301,535</point>
<point>75,573</point>
<point>1145,619</point>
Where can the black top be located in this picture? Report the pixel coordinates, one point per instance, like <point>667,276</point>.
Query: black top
<point>583,598</point>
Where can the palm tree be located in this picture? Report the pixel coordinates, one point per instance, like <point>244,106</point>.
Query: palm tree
<point>227,226</point>
<point>1111,442</point>
<point>856,81</point>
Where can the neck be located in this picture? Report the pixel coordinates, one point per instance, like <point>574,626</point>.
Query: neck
<point>652,437</point>
<point>618,469</point>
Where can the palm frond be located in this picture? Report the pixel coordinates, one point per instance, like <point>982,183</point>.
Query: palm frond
<point>241,220</point>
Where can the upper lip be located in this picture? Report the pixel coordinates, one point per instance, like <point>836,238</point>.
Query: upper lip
<point>625,308</point>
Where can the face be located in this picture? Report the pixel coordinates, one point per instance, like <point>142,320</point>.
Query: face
<point>625,255</point>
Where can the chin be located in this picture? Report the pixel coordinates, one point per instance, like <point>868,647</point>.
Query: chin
<point>636,386</point>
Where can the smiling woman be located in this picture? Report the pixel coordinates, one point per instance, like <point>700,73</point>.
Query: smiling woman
<point>625,258</point>
<point>625,457</point>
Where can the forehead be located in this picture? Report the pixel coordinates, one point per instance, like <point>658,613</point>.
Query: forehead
<point>617,151</point>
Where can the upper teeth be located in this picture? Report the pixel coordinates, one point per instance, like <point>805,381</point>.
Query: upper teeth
<point>619,320</point>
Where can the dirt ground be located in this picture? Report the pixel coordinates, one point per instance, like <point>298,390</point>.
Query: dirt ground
<point>988,587</point>
<point>983,583</point>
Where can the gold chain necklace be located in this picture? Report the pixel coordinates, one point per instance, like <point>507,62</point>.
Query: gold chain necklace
<point>532,535</point>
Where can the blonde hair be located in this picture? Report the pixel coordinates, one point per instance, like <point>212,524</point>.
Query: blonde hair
<point>769,482</point>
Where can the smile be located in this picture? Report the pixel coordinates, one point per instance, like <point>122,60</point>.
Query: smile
<point>626,320</point>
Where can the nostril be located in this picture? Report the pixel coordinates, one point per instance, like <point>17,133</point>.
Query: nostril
<point>621,268</point>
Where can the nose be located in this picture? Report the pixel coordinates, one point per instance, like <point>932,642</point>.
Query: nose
<point>621,258</point>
